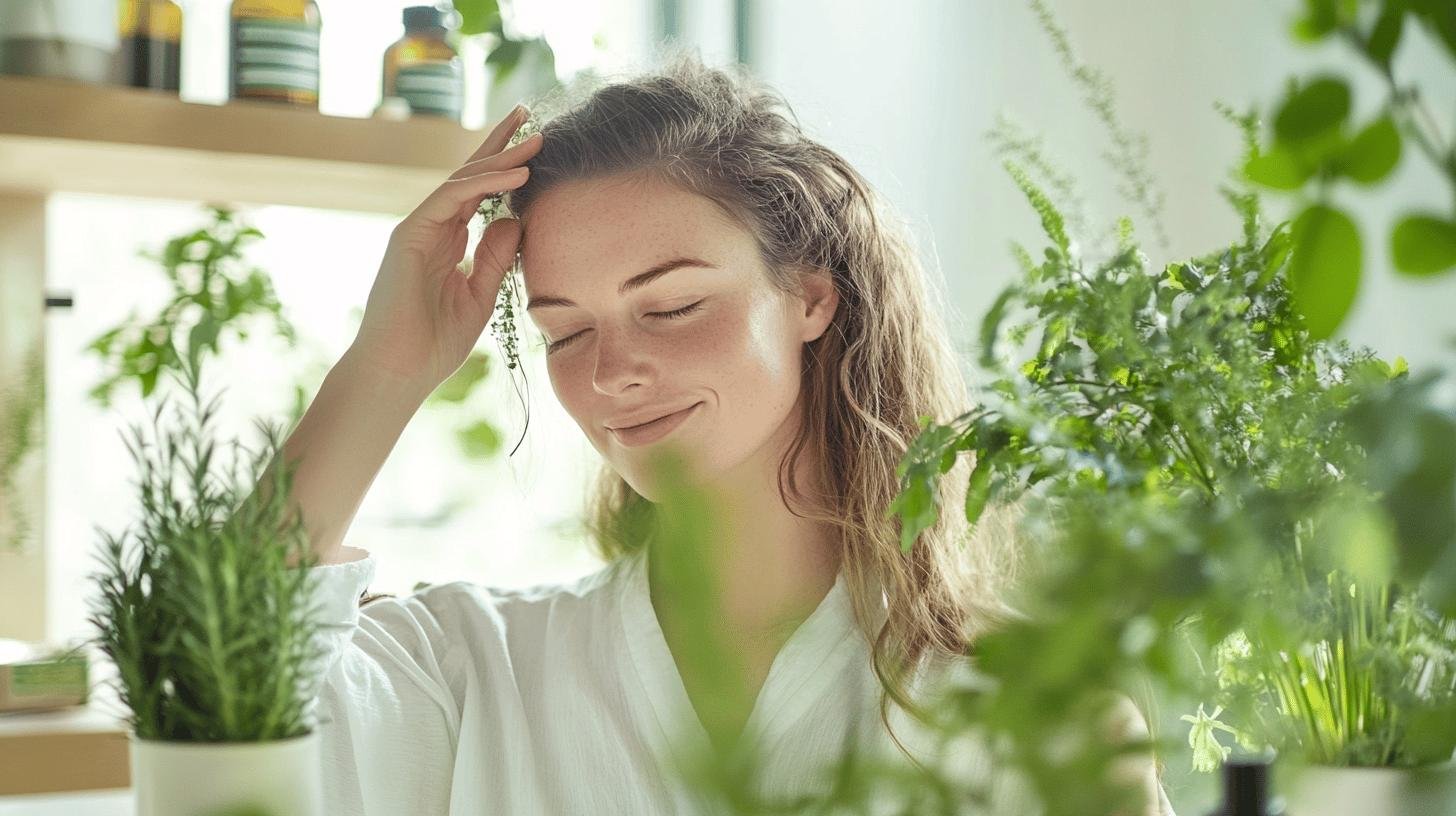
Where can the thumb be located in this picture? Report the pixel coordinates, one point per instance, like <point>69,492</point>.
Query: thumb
<point>494,254</point>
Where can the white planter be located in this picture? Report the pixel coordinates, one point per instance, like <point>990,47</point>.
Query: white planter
<point>1326,791</point>
<point>274,778</point>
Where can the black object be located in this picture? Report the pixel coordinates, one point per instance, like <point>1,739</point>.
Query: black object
<point>417,17</point>
<point>1246,790</point>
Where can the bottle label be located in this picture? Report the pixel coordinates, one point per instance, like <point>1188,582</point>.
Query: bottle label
<point>276,54</point>
<point>433,88</point>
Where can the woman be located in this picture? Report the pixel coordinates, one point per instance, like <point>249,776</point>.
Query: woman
<point>710,282</point>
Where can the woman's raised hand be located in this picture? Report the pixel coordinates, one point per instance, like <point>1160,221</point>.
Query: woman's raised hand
<point>425,314</point>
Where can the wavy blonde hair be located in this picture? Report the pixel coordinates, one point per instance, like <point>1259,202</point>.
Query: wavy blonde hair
<point>885,361</point>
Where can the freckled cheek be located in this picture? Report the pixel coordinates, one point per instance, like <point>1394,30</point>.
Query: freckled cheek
<point>571,380</point>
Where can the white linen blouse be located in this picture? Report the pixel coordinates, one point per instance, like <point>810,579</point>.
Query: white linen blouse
<point>465,699</point>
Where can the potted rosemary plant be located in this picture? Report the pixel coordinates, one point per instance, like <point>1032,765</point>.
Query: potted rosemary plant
<point>209,627</point>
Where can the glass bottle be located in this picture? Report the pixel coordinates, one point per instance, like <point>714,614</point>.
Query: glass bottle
<point>422,67</point>
<point>150,51</point>
<point>275,51</point>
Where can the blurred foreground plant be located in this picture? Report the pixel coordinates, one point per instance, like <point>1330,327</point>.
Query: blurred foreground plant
<point>1201,477</point>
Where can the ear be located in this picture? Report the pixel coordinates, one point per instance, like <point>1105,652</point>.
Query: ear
<point>818,301</point>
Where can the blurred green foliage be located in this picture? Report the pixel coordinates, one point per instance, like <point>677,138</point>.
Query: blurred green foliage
<point>1313,147</point>
<point>22,407</point>
<point>210,298</point>
<point>1219,504</point>
<point>507,52</point>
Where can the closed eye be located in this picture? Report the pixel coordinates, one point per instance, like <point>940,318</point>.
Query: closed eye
<point>551,348</point>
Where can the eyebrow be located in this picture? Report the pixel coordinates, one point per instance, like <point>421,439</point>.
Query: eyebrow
<point>634,282</point>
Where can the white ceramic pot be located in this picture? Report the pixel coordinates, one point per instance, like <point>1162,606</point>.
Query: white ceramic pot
<point>274,778</point>
<point>1327,791</point>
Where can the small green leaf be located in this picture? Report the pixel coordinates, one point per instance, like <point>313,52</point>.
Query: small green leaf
<point>1385,36</point>
<point>916,507</point>
<point>1320,18</point>
<point>1324,271</point>
<point>1278,168</point>
<point>148,380</point>
<point>991,327</point>
<point>1313,111</point>
<point>948,459</point>
<point>1372,154</point>
<point>203,335</point>
<point>504,58</point>
<point>478,16</point>
<point>459,385</point>
<point>1423,245</point>
<point>1274,253</point>
<point>1440,20</point>
<point>978,490</point>
<point>480,439</point>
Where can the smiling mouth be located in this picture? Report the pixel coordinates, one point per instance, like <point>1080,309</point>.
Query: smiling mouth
<point>648,432</point>
<point>650,421</point>
<point>645,424</point>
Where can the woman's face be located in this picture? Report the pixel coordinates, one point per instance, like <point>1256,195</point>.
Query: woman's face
<point>655,303</point>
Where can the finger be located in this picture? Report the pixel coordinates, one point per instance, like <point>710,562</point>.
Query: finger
<point>494,256</point>
<point>500,135</point>
<point>449,199</point>
<point>511,156</point>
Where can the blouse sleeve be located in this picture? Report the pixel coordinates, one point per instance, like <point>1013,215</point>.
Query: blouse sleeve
<point>388,724</point>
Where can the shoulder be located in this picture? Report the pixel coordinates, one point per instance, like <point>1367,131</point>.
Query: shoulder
<point>476,605</point>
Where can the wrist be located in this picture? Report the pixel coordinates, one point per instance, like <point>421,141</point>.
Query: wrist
<point>375,380</point>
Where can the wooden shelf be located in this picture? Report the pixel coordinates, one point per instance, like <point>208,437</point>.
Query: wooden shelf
<point>79,748</point>
<point>58,135</point>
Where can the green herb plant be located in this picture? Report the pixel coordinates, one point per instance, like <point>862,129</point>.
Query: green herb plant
<point>1215,506</point>
<point>210,298</point>
<point>1187,456</point>
<point>508,303</point>
<point>503,321</point>
<point>201,609</point>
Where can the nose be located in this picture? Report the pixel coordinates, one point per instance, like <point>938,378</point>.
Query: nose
<point>620,365</point>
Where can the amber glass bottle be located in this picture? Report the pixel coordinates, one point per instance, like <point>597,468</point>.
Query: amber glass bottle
<point>275,51</point>
<point>150,50</point>
<point>424,69</point>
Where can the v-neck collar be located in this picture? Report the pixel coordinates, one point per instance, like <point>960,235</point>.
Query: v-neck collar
<point>809,662</point>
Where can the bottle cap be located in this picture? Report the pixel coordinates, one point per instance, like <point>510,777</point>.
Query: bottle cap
<point>416,17</point>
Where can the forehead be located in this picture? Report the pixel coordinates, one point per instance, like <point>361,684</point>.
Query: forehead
<point>616,227</point>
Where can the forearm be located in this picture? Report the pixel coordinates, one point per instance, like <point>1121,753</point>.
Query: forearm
<point>339,445</point>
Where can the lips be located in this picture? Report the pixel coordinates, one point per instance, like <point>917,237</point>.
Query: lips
<point>647,433</point>
<point>643,417</point>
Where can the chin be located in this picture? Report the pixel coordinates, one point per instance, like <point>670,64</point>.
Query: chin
<point>653,471</point>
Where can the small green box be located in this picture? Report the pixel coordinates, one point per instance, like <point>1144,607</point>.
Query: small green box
<point>51,681</point>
